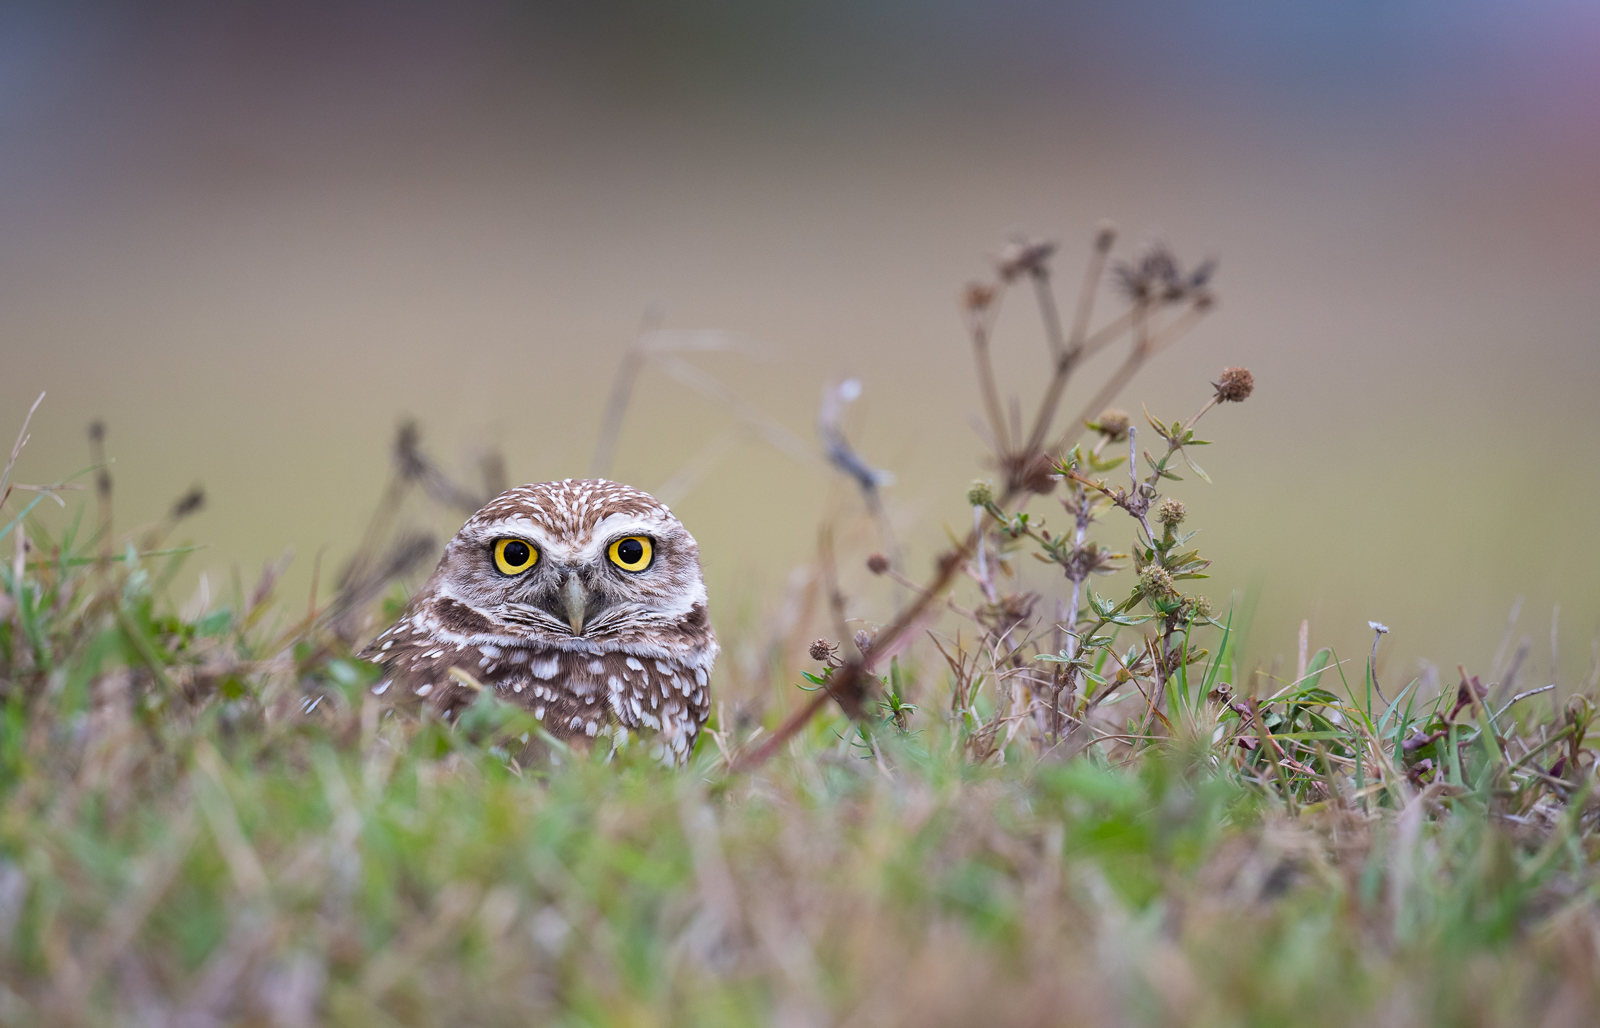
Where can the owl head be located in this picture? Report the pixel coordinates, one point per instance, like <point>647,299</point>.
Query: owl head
<point>588,565</point>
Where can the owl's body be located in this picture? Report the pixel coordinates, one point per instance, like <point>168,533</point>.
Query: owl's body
<point>581,600</point>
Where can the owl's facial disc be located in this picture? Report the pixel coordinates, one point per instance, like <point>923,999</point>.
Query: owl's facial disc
<point>580,562</point>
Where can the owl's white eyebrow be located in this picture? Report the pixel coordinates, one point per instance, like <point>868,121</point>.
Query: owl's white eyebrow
<point>623,524</point>
<point>514,526</point>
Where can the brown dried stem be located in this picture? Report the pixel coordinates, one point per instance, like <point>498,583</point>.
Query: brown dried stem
<point>980,323</point>
<point>1076,348</point>
<point>16,451</point>
<point>850,683</point>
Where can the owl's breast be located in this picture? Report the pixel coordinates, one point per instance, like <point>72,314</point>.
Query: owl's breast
<point>576,693</point>
<point>576,688</point>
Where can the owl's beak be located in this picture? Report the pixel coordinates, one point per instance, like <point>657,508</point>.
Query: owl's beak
<point>576,600</point>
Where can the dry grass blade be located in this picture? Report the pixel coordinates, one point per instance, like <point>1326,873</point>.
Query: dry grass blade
<point>16,451</point>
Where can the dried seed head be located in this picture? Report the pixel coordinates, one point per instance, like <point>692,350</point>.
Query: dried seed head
<point>981,494</point>
<point>408,457</point>
<point>1113,424</point>
<point>1171,511</point>
<point>188,503</point>
<point>820,650</point>
<point>97,431</point>
<point>1155,580</point>
<point>1154,276</point>
<point>1235,385</point>
<point>1104,236</point>
<point>978,297</point>
<point>1039,475</point>
<point>1024,257</point>
<point>877,563</point>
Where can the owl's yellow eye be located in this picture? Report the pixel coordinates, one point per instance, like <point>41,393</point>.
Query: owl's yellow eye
<point>513,556</point>
<point>631,553</point>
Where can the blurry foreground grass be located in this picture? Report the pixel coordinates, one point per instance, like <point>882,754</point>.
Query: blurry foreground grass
<point>204,820</point>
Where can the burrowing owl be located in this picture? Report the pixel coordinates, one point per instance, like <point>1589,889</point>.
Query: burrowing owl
<point>581,600</point>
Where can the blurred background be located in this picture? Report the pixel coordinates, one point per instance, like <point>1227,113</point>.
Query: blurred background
<point>253,238</point>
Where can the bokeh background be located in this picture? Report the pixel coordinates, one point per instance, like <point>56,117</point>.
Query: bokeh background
<point>253,238</point>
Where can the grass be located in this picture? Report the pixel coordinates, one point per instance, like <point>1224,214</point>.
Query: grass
<point>1096,815</point>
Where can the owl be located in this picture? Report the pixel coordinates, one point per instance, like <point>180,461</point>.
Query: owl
<point>581,600</point>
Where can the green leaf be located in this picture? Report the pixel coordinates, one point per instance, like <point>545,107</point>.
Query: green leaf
<point>1197,469</point>
<point>215,623</point>
<point>1318,664</point>
<point>343,672</point>
<point>1105,464</point>
<point>13,522</point>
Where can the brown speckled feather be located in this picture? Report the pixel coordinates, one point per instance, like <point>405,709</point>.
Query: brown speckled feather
<point>642,660</point>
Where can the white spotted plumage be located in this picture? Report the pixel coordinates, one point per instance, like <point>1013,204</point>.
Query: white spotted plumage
<point>588,646</point>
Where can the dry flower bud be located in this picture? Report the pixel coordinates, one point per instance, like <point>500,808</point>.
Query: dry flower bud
<point>1104,236</point>
<point>1171,511</point>
<point>1235,385</point>
<point>820,650</point>
<point>877,563</point>
<point>408,457</point>
<point>1195,607</point>
<point>188,503</point>
<point>980,495</point>
<point>1024,257</point>
<point>1155,580</point>
<point>1155,275</point>
<point>978,296</point>
<point>1039,475</point>
<point>1113,424</point>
